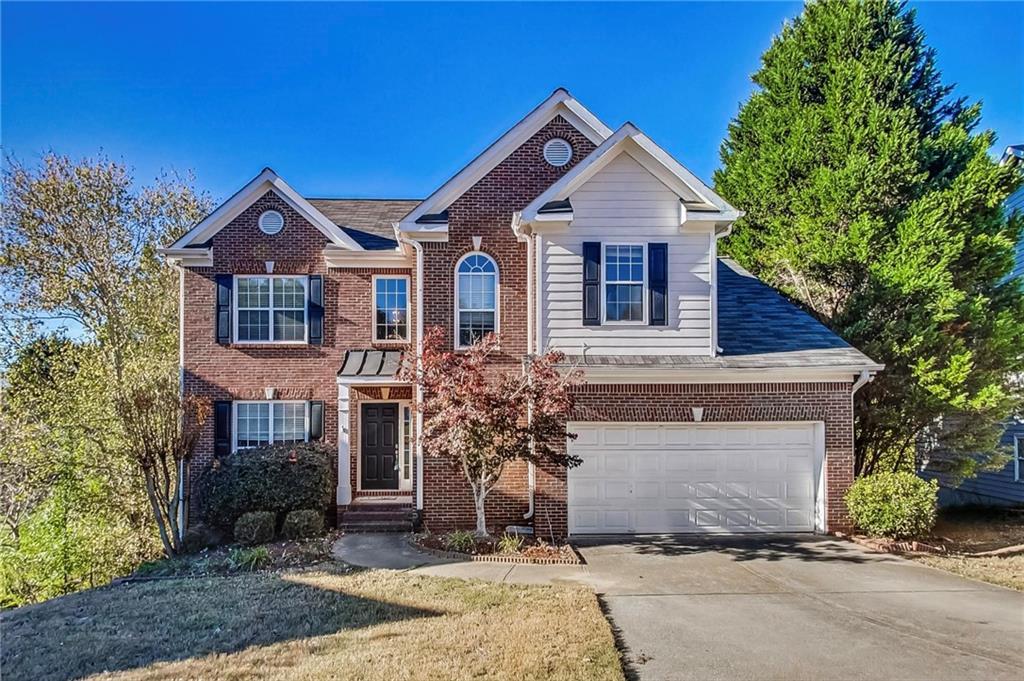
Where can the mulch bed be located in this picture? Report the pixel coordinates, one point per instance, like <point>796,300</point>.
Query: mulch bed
<point>212,562</point>
<point>534,552</point>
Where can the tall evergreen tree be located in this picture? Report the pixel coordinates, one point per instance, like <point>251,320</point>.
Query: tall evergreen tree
<point>871,199</point>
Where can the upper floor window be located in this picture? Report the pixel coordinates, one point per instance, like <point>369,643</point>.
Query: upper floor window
<point>261,423</point>
<point>476,298</point>
<point>271,309</point>
<point>390,308</point>
<point>624,277</point>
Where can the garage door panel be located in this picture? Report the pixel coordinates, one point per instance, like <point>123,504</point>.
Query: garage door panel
<point>616,462</point>
<point>646,437</point>
<point>653,478</point>
<point>616,436</point>
<point>647,462</point>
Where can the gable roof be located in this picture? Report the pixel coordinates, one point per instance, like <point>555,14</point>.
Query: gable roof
<point>369,221</point>
<point>266,181</point>
<point>560,103</point>
<point>696,197</point>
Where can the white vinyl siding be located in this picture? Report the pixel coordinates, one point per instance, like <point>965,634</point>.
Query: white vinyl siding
<point>624,203</point>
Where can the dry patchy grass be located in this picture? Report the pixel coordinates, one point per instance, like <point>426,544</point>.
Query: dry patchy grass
<point>313,625</point>
<point>1006,571</point>
<point>973,530</point>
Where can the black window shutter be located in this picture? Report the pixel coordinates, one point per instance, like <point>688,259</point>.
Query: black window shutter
<point>316,309</point>
<point>591,283</point>
<point>657,283</point>
<point>222,427</point>
<point>316,420</point>
<point>224,309</point>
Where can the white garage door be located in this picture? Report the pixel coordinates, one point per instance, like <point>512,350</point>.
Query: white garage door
<point>685,477</point>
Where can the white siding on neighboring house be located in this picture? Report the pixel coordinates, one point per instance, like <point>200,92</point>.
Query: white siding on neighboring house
<point>624,203</point>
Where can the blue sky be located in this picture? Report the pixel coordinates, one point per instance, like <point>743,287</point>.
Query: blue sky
<point>389,100</point>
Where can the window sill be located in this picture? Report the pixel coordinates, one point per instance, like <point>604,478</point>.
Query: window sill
<point>268,344</point>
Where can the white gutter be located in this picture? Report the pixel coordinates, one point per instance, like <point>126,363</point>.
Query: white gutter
<point>419,352</point>
<point>865,377</point>
<point>531,473</point>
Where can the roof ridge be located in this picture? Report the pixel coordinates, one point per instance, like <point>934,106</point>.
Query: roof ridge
<point>355,198</point>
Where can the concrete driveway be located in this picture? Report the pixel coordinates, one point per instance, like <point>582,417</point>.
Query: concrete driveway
<point>786,607</point>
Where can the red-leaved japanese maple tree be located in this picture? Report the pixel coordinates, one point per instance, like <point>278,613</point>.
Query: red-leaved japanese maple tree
<point>483,417</point>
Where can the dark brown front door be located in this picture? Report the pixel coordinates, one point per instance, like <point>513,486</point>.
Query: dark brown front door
<point>379,445</point>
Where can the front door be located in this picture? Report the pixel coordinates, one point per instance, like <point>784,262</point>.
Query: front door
<point>379,445</point>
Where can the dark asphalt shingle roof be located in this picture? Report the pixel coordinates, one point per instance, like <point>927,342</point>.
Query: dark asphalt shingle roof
<point>754,318</point>
<point>758,328</point>
<point>368,221</point>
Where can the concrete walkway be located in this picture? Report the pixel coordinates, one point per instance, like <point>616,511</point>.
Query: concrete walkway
<point>393,552</point>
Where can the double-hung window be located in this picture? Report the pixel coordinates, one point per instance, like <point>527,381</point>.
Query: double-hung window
<point>624,276</point>
<point>271,309</point>
<point>261,423</point>
<point>390,309</point>
<point>476,298</point>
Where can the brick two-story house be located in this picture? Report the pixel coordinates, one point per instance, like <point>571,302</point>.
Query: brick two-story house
<point>710,403</point>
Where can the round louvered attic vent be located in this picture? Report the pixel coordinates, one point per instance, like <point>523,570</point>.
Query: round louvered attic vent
<point>271,222</point>
<point>557,152</point>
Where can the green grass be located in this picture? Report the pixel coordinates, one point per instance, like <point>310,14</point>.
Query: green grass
<point>324,624</point>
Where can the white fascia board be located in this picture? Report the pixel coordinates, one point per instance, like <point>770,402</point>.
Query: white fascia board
<point>267,180</point>
<point>371,380</point>
<point>339,257</point>
<point>559,103</point>
<point>618,375</point>
<point>188,257</point>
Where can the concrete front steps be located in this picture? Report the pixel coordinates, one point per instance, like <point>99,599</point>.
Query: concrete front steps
<point>376,514</point>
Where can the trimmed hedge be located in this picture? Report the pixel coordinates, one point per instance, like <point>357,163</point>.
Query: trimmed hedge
<point>275,478</point>
<point>303,524</point>
<point>256,527</point>
<point>898,505</point>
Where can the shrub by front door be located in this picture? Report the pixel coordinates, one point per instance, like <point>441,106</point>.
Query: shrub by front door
<point>379,445</point>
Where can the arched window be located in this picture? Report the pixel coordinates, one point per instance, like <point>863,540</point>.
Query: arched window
<point>476,298</point>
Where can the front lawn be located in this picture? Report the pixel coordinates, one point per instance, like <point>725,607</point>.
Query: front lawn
<point>325,624</point>
<point>976,530</point>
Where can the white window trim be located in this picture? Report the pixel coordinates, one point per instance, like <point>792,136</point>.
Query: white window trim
<point>497,297</point>
<point>408,317</point>
<point>1018,454</point>
<point>270,426</point>
<point>644,295</point>
<point>234,312</point>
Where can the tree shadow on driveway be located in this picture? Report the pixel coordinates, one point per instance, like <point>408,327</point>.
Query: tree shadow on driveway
<point>770,547</point>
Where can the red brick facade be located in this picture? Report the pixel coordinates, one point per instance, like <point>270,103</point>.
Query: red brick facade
<point>485,210</point>
<point>241,371</point>
<point>309,372</point>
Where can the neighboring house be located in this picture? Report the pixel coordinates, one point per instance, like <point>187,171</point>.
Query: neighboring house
<point>711,403</point>
<point>1004,487</point>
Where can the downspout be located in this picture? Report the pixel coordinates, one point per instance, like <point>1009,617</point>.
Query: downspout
<point>865,377</point>
<point>183,495</point>
<point>419,352</point>
<point>715,348</point>
<point>531,473</point>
